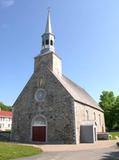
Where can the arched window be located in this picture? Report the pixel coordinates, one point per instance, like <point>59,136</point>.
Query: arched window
<point>51,42</point>
<point>39,121</point>
<point>99,119</point>
<point>87,115</point>
<point>47,42</point>
<point>94,116</point>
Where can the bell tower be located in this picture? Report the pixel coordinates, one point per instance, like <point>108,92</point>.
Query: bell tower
<point>48,38</point>
<point>48,57</point>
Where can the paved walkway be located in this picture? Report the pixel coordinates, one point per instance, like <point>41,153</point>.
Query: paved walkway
<point>102,150</point>
<point>82,146</point>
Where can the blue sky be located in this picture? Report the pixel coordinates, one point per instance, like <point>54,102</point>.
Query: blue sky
<point>87,40</point>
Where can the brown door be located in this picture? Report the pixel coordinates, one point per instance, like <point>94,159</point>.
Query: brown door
<point>39,133</point>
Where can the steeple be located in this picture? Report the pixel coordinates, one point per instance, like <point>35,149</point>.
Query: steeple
<point>48,37</point>
<point>48,28</point>
<point>48,57</point>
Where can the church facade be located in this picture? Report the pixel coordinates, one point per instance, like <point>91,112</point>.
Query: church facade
<point>52,108</point>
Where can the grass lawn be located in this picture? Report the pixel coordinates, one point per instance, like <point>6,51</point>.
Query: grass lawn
<point>10,151</point>
<point>114,134</point>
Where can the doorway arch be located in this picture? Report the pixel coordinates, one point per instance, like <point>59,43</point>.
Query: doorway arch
<point>39,128</point>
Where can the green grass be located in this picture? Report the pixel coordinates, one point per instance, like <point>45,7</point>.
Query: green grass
<point>114,134</point>
<point>10,151</point>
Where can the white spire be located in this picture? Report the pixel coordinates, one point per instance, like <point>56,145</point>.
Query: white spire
<point>48,38</point>
<point>48,28</point>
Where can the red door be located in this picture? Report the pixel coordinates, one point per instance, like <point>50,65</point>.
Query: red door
<point>39,133</point>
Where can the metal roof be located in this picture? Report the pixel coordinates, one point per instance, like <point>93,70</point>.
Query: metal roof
<point>48,28</point>
<point>5,114</point>
<point>78,93</point>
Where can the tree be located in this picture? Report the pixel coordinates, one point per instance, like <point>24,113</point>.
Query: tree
<point>107,103</point>
<point>5,107</point>
<point>107,100</point>
<point>116,113</point>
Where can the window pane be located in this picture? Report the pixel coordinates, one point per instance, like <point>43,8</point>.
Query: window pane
<point>51,42</point>
<point>47,41</point>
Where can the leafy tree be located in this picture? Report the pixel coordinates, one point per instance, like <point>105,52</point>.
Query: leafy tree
<point>5,107</point>
<point>116,113</point>
<point>107,103</point>
<point>107,100</point>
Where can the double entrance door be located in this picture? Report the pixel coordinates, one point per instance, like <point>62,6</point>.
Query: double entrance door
<point>39,133</point>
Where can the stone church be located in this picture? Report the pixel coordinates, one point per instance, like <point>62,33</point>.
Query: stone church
<point>52,108</point>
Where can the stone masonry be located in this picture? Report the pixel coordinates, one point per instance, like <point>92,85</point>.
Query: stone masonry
<point>51,108</point>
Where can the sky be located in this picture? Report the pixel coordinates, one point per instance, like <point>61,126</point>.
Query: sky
<point>87,40</point>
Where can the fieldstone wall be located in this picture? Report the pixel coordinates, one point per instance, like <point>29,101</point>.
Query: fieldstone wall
<point>58,108</point>
<point>62,113</point>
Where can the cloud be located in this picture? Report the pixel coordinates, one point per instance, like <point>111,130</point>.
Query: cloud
<point>6,3</point>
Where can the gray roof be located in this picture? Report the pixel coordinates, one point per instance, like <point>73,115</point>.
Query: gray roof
<point>77,92</point>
